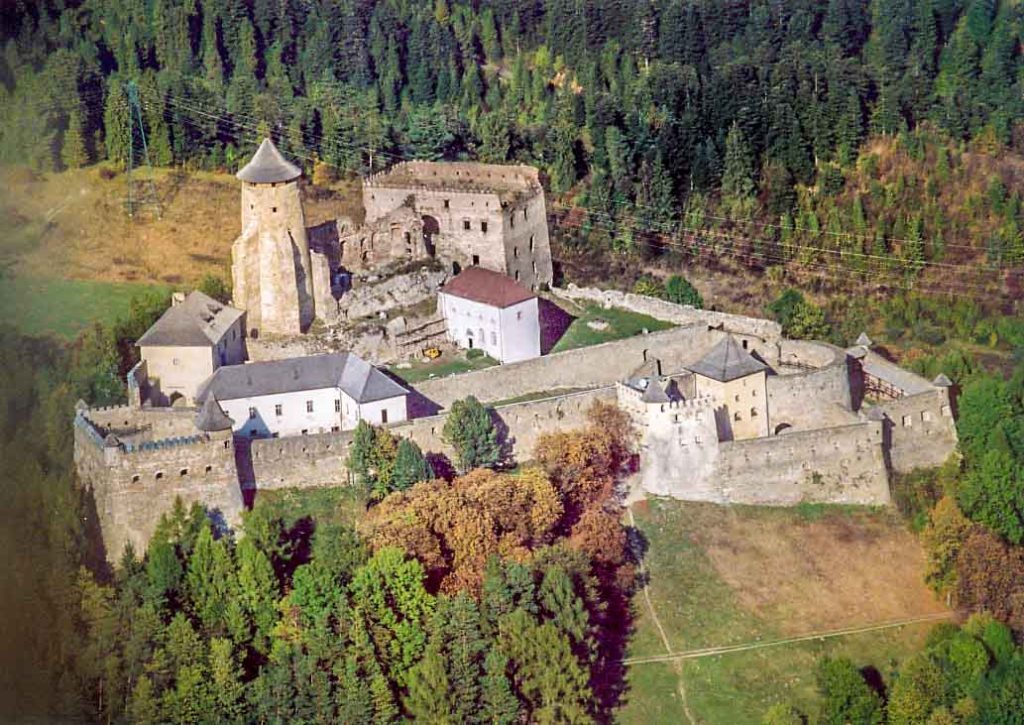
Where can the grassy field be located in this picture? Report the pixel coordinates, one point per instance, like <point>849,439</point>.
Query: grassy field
<point>64,307</point>
<point>619,324</point>
<point>450,363</point>
<point>735,575</point>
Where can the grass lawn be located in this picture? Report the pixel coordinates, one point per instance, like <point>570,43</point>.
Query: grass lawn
<point>448,364</point>
<point>728,575</point>
<point>620,324</point>
<point>330,505</point>
<point>64,307</point>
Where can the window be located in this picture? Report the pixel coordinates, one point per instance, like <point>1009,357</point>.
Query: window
<point>337,405</point>
<point>483,227</point>
<point>524,212</point>
<point>384,416</point>
<point>535,268</point>
<point>135,478</point>
<point>309,406</point>
<point>926,416</point>
<point>494,338</point>
<point>737,416</point>
<point>159,475</point>
<point>183,472</point>
<point>512,220</point>
<point>175,361</point>
<point>208,469</point>
<point>466,225</point>
<point>908,421</point>
<point>277,410</point>
<point>737,398</point>
<point>305,431</point>
<point>515,252</point>
<point>519,314</point>
<point>531,242</point>
<point>517,275</point>
<point>753,412</point>
<point>273,209</point>
<point>446,204</point>
<point>745,344</point>
<point>252,433</point>
<point>252,414</point>
<point>476,260</point>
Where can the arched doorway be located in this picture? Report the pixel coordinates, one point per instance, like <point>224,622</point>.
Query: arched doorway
<point>431,228</point>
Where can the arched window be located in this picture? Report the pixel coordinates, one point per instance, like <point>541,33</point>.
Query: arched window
<point>736,416</point>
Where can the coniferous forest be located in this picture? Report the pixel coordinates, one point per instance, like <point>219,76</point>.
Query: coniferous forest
<point>870,142</point>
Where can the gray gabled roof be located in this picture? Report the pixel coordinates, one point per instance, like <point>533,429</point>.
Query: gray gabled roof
<point>727,361</point>
<point>361,381</point>
<point>211,416</point>
<point>654,392</point>
<point>268,166</point>
<point>198,321</point>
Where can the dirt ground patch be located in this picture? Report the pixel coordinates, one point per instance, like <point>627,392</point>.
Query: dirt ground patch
<point>807,574</point>
<point>73,224</point>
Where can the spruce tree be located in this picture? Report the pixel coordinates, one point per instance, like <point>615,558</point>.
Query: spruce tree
<point>471,432</point>
<point>430,699</point>
<point>410,466</point>
<point>73,152</point>
<point>499,705</point>
<point>738,174</point>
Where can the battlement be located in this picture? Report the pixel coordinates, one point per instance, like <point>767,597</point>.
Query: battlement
<point>507,181</point>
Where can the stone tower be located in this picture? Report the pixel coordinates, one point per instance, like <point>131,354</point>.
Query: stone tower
<point>271,268</point>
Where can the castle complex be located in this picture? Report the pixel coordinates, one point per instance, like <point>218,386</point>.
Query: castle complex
<point>727,409</point>
<point>462,214</point>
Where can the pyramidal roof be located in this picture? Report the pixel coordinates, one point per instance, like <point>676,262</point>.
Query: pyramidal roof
<point>727,361</point>
<point>212,417</point>
<point>268,166</point>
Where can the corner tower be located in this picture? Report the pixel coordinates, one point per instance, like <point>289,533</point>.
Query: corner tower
<point>270,260</point>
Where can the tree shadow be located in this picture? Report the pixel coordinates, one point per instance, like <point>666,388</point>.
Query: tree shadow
<point>506,444</point>
<point>441,465</point>
<point>554,321</point>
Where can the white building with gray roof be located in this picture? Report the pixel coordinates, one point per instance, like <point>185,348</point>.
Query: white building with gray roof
<point>185,346</point>
<point>305,395</point>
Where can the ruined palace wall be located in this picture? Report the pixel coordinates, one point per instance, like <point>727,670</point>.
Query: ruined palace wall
<point>922,430</point>
<point>527,245</point>
<point>452,208</point>
<point>132,489</point>
<point>814,398</point>
<point>319,460</point>
<point>833,465</point>
<point>596,365</point>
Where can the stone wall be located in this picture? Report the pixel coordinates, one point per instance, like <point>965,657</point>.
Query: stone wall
<point>810,399</point>
<point>765,331</point>
<point>921,429</point>
<point>319,460</point>
<point>597,365</point>
<point>833,465</point>
<point>132,489</point>
<point>142,424</point>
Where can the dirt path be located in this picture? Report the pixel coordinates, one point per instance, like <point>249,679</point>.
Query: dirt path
<point>677,665</point>
<point>746,646</point>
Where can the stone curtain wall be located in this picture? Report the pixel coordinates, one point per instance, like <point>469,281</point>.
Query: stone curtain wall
<point>319,460</point>
<point>812,399</point>
<point>922,430</point>
<point>143,424</point>
<point>597,365</point>
<point>767,331</point>
<point>831,465</point>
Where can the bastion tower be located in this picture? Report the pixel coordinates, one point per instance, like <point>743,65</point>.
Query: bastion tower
<point>271,267</point>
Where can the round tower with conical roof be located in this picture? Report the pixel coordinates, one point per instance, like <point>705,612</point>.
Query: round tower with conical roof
<point>271,268</point>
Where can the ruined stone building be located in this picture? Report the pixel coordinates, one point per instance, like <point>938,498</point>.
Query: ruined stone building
<point>464,214</point>
<point>279,278</point>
